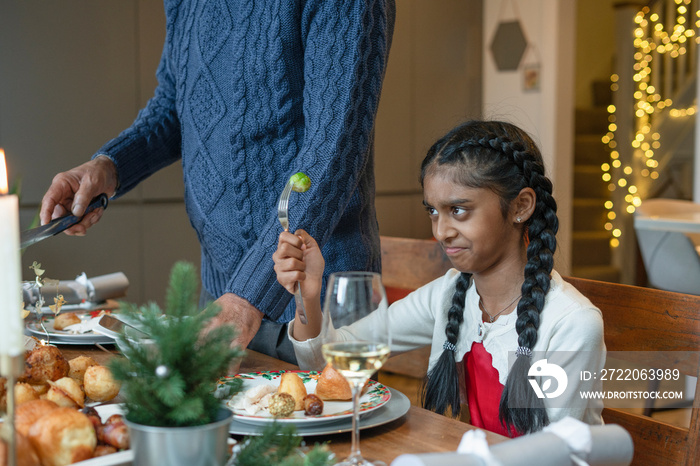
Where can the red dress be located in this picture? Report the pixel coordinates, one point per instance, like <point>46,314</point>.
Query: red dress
<point>483,390</point>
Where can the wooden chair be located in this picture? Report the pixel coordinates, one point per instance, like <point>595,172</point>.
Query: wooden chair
<point>408,264</point>
<point>661,323</point>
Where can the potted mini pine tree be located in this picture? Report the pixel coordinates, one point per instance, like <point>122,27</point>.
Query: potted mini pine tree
<point>169,378</point>
<point>169,382</point>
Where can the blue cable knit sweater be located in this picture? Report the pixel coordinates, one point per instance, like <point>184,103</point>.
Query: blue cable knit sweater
<point>249,93</point>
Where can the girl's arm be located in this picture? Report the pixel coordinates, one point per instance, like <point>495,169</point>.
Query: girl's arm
<point>298,259</point>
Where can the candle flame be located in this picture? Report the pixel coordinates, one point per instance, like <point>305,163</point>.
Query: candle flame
<point>3,173</point>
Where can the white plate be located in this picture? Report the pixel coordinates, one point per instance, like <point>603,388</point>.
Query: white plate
<point>397,406</point>
<point>66,337</point>
<point>374,397</point>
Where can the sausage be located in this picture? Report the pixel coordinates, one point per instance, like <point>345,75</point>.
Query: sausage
<point>313,405</point>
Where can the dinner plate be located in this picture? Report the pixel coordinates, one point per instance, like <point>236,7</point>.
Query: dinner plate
<point>375,396</point>
<point>397,406</point>
<point>66,337</point>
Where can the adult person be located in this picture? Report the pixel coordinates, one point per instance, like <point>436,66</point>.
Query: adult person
<point>248,94</point>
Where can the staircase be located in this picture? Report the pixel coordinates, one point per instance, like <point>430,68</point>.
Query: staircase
<point>591,253</point>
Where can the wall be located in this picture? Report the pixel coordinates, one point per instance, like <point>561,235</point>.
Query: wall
<point>547,114</point>
<point>595,46</point>
<point>74,73</point>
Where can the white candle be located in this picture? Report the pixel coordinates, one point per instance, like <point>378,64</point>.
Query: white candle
<point>11,324</point>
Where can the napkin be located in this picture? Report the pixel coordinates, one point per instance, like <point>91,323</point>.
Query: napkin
<point>474,443</point>
<point>85,326</point>
<point>577,436</point>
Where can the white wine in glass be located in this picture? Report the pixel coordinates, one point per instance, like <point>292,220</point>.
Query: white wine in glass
<point>356,338</point>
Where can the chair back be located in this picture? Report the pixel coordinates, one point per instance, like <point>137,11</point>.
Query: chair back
<point>408,264</point>
<point>670,258</point>
<point>645,319</point>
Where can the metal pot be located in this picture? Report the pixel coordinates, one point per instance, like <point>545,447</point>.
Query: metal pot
<point>204,445</point>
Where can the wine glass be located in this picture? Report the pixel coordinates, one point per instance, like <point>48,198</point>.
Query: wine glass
<point>356,338</point>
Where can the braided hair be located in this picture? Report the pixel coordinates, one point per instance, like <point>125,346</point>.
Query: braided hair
<point>503,158</point>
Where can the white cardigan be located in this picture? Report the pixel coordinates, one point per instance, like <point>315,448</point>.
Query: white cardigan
<point>569,325</point>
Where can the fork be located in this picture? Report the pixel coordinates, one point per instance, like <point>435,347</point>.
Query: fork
<point>283,217</point>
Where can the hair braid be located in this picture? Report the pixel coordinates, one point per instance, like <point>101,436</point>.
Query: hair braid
<point>440,388</point>
<point>542,228</point>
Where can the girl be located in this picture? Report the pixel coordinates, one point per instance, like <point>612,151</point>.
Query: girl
<point>492,210</point>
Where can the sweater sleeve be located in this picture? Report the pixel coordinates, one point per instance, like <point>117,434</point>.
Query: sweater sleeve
<point>345,53</point>
<point>153,140</point>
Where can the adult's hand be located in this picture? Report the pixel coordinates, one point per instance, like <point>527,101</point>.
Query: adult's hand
<point>243,316</point>
<point>72,191</point>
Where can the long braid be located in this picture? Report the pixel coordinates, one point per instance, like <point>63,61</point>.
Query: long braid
<point>542,229</point>
<point>501,157</point>
<point>440,389</point>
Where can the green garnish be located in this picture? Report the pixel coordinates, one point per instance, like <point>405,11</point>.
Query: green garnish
<point>300,182</point>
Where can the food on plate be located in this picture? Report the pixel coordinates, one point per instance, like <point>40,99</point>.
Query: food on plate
<point>65,319</point>
<point>78,366</point>
<point>26,454</point>
<point>28,413</point>
<point>332,385</point>
<point>44,363</point>
<point>282,404</point>
<point>66,392</point>
<point>291,383</point>
<point>40,389</point>
<point>104,450</point>
<point>24,392</point>
<point>71,435</point>
<point>63,436</point>
<point>254,399</point>
<point>313,405</point>
<point>99,383</point>
<point>115,432</point>
<point>300,182</point>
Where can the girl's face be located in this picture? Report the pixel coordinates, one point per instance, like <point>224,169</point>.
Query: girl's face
<point>469,224</point>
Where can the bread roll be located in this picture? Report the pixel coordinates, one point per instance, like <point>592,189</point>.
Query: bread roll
<point>65,319</point>
<point>333,386</point>
<point>291,383</point>
<point>99,384</point>
<point>63,436</point>
<point>28,413</point>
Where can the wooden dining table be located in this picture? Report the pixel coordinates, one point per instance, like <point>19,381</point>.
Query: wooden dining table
<point>418,431</point>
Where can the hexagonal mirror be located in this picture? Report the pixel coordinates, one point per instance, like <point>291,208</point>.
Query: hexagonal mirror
<point>508,46</point>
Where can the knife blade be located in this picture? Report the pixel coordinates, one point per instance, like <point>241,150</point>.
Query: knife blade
<point>34,235</point>
<point>113,327</point>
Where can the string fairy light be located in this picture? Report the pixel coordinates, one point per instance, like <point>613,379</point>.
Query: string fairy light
<point>652,42</point>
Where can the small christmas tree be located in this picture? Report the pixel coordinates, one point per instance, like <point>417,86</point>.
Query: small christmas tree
<point>170,379</point>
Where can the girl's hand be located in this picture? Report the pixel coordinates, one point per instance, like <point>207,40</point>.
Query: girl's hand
<point>298,258</point>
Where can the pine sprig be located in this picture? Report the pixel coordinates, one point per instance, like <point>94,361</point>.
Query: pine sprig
<point>279,445</point>
<point>170,379</point>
